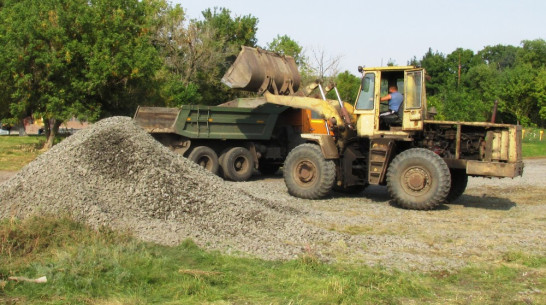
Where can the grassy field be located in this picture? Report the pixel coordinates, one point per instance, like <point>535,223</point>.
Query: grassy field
<point>85,266</point>
<point>16,152</point>
<point>532,145</point>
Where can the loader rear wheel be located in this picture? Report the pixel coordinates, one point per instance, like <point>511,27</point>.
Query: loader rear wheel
<point>418,179</point>
<point>237,164</point>
<point>205,157</point>
<point>459,180</point>
<point>307,174</point>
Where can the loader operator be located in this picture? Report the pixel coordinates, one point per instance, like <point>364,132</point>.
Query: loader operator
<point>395,100</point>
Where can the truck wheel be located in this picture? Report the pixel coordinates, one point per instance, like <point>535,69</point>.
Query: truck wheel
<point>459,180</point>
<point>237,164</point>
<point>418,179</point>
<point>206,158</point>
<point>307,174</point>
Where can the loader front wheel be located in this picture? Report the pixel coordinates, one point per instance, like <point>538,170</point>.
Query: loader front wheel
<point>307,174</point>
<point>237,164</point>
<point>418,179</point>
<point>205,157</point>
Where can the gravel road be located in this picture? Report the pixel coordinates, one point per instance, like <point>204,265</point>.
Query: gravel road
<point>115,174</point>
<point>492,218</point>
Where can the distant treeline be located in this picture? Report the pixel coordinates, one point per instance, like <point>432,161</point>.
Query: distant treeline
<point>463,85</point>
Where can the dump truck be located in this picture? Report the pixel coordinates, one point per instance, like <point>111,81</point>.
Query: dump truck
<point>423,162</point>
<point>232,139</point>
<point>236,138</point>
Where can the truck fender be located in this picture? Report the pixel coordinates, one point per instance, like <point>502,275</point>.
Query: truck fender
<point>326,143</point>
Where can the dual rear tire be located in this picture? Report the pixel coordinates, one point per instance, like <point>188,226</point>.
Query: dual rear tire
<point>237,163</point>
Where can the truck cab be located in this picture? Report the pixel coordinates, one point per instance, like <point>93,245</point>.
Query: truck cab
<point>374,84</point>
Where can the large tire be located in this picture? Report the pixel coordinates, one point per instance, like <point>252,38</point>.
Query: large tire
<point>237,164</point>
<point>307,174</point>
<point>459,180</point>
<point>418,179</point>
<point>206,158</point>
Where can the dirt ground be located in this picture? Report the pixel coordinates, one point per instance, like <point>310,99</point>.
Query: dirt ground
<point>493,218</point>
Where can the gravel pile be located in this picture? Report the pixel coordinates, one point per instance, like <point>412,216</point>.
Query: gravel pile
<point>115,174</point>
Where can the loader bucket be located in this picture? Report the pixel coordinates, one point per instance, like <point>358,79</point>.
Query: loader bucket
<point>258,70</point>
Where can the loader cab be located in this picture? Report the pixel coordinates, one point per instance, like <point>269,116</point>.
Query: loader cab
<point>374,85</point>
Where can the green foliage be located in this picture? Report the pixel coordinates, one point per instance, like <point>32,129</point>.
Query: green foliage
<point>347,85</point>
<point>464,85</point>
<point>286,46</point>
<point>224,34</point>
<point>236,31</point>
<point>76,58</point>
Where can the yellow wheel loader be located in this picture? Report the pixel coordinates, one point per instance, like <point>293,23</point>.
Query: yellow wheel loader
<point>422,161</point>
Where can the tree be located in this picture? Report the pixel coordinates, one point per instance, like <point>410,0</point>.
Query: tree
<point>232,32</point>
<point>499,56</point>
<point>517,86</point>
<point>533,52</point>
<point>347,85</point>
<point>437,72</point>
<point>323,66</point>
<point>286,46</point>
<point>187,48</point>
<point>459,62</point>
<point>236,31</point>
<point>84,58</point>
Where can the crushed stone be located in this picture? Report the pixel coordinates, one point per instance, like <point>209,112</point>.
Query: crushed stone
<point>115,174</point>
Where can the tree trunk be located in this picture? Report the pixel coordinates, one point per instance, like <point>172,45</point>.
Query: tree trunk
<point>51,128</point>
<point>21,128</point>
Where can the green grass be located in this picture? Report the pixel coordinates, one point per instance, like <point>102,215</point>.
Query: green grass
<point>532,145</point>
<point>16,152</point>
<point>85,266</point>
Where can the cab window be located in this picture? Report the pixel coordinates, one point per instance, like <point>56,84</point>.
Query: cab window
<point>365,99</point>
<point>413,89</point>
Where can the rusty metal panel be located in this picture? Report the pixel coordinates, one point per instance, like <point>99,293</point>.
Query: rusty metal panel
<point>515,144</point>
<point>496,146</point>
<point>156,119</point>
<point>258,70</point>
<point>505,145</point>
<point>380,154</point>
<point>488,146</point>
<point>494,169</point>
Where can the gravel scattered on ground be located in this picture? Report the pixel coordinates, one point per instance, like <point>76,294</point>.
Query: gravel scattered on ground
<point>115,174</point>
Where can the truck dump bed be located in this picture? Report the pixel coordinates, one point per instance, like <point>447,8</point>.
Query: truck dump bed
<point>212,122</point>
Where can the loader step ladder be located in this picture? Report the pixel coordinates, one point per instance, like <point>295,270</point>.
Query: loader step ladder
<point>380,152</point>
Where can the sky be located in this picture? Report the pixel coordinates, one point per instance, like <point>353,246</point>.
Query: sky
<point>372,33</point>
